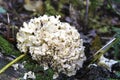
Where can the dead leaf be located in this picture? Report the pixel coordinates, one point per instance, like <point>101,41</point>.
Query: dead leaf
<point>96,44</point>
<point>34,5</point>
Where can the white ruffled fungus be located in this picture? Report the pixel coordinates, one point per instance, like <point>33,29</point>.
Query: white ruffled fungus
<point>53,44</point>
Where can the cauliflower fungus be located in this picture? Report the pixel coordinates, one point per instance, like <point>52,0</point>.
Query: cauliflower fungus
<point>52,43</point>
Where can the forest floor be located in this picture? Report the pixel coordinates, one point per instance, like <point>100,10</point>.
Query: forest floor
<point>96,22</point>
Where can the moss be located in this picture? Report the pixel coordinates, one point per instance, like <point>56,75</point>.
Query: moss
<point>40,74</point>
<point>7,47</point>
<point>47,75</point>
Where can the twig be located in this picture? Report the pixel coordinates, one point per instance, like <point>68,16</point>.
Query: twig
<point>8,26</point>
<point>86,13</point>
<point>104,49</point>
<point>99,53</point>
<point>12,62</point>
